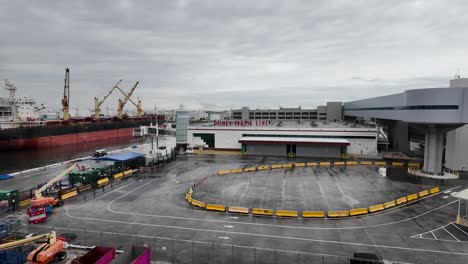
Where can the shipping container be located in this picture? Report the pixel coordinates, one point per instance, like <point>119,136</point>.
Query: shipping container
<point>134,255</point>
<point>98,255</point>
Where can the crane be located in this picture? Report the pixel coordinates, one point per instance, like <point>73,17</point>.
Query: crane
<point>66,96</point>
<point>44,253</point>
<point>38,200</point>
<point>127,97</point>
<point>97,103</point>
<point>123,102</point>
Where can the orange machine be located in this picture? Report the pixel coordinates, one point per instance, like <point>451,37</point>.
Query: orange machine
<point>38,200</point>
<point>44,253</point>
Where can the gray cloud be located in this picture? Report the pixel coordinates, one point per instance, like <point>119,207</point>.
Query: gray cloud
<point>225,54</point>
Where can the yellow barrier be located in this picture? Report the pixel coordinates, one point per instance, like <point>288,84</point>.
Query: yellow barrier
<point>311,164</point>
<point>325,164</point>
<point>222,172</point>
<point>286,213</point>
<point>398,164</point>
<point>414,164</point>
<point>401,200</point>
<point>339,163</point>
<point>434,190</point>
<point>338,213</point>
<point>358,211</point>
<point>365,163</point>
<point>287,166</point>
<point>128,172</point>
<point>412,197</point>
<point>190,192</point>
<point>198,203</point>
<point>237,209</point>
<point>261,211</point>
<point>264,167</point>
<point>351,163</point>
<point>380,163</point>
<point>103,182</point>
<point>249,169</point>
<point>423,193</point>
<point>389,204</point>
<point>25,203</point>
<point>69,195</point>
<point>300,164</point>
<point>276,166</point>
<point>237,170</point>
<point>376,208</point>
<point>118,176</point>
<point>313,214</point>
<point>188,198</point>
<point>216,207</point>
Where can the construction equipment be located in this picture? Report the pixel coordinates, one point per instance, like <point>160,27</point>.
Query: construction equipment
<point>97,103</point>
<point>128,98</point>
<point>66,96</point>
<point>38,200</point>
<point>45,252</point>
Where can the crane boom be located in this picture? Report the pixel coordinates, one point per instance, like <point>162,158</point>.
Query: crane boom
<point>51,236</point>
<point>97,104</point>
<point>38,192</point>
<point>138,106</point>
<point>66,96</point>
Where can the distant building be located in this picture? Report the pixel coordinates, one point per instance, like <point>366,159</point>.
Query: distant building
<point>219,115</point>
<point>182,123</point>
<point>333,111</point>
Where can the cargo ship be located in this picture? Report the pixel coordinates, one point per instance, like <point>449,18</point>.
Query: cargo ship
<point>23,127</point>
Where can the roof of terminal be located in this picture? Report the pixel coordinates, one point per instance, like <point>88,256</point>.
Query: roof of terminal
<point>291,124</point>
<point>295,140</point>
<point>121,156</point>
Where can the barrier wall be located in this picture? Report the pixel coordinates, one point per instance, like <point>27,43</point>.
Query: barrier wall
<point>69,195</point>
<point>335,214</point>
<point>238,209</point>
<point>215,207</point>
<point>102,182</point>
<point>286,213</point>
<point>262,211</point>
<point>358,211</point>
<point>376,208</point>
<point>313,214</point>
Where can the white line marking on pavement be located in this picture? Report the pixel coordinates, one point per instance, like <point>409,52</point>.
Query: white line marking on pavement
<point>432,233</point>
<point>460,229</point>
<point>260,224</point>
<point>223,237</point>
<point>445,197</point>
<point>451,234</point>
<point>228,226</point>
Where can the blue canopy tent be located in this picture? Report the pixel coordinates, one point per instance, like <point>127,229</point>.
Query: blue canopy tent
<point>124,159</point>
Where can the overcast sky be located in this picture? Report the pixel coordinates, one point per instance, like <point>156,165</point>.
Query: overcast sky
<point>226,54</point>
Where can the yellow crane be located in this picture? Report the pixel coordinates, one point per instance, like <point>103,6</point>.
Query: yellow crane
<point>127,98</point>
<point>66,96</point>
<point>97,103</point>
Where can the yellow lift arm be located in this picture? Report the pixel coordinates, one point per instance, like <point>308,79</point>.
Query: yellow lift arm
<point>51,237</point>
<point>97,103</point>
<point>38,192</point>
<point>127,97</point>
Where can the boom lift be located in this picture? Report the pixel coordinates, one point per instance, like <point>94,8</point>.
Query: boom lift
<point>97,103</point>
<point>45,252</point>
<point>66,96</point>
<point>38,200</point>
<point>123,102</point>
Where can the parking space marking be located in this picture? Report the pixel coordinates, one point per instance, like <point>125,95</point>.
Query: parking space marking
<point>444,229</point>
<point>461,229</point>
<point>451,234</point>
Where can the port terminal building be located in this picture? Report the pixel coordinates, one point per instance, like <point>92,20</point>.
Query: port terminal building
<point>286,138</point>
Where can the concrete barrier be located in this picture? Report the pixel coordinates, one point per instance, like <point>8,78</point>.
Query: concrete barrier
<point>190,192</point>
<point>222,172</point>
<point>398,164</point>
<point>102,182</point>
<point>262,211</point>
<point>249,169</point>
<point>286,213</point>
<point>335,214</point>
<point>238,209</point>
<point>365,163</point>
<point>434,190</point>
<point>358,211</point>
<point>351,163</point>
<point>237,170</point>
<point>198,203</point>
<point>423,193</point>
<point>311,164</point>
<point>128,172</point>
<point>389,204</point>
<point>401,200</point>
<point>339,163</point>
<point>263,167</point>
<point>188,198</point>
<point>118,176</point>
<point>25,203</point>
<point>412,197</point>
<point>69,195</point>
<point>313,214</point>
<point>376,208</point>
<point>287,166</point>
<point>300,164</point>
<point>325,164</point>
<point>414,164</point>
<point>276,166</point>
<point>380,163</point>
<point>216,207</point>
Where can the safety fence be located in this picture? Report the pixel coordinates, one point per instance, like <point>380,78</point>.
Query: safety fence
<point>410,198</point>
<point>187,251</point>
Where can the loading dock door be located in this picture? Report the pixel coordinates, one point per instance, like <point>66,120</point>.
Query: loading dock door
<point>318,151</point>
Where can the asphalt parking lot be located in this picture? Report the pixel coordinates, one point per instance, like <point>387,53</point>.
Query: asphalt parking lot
<point>152,210</point>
